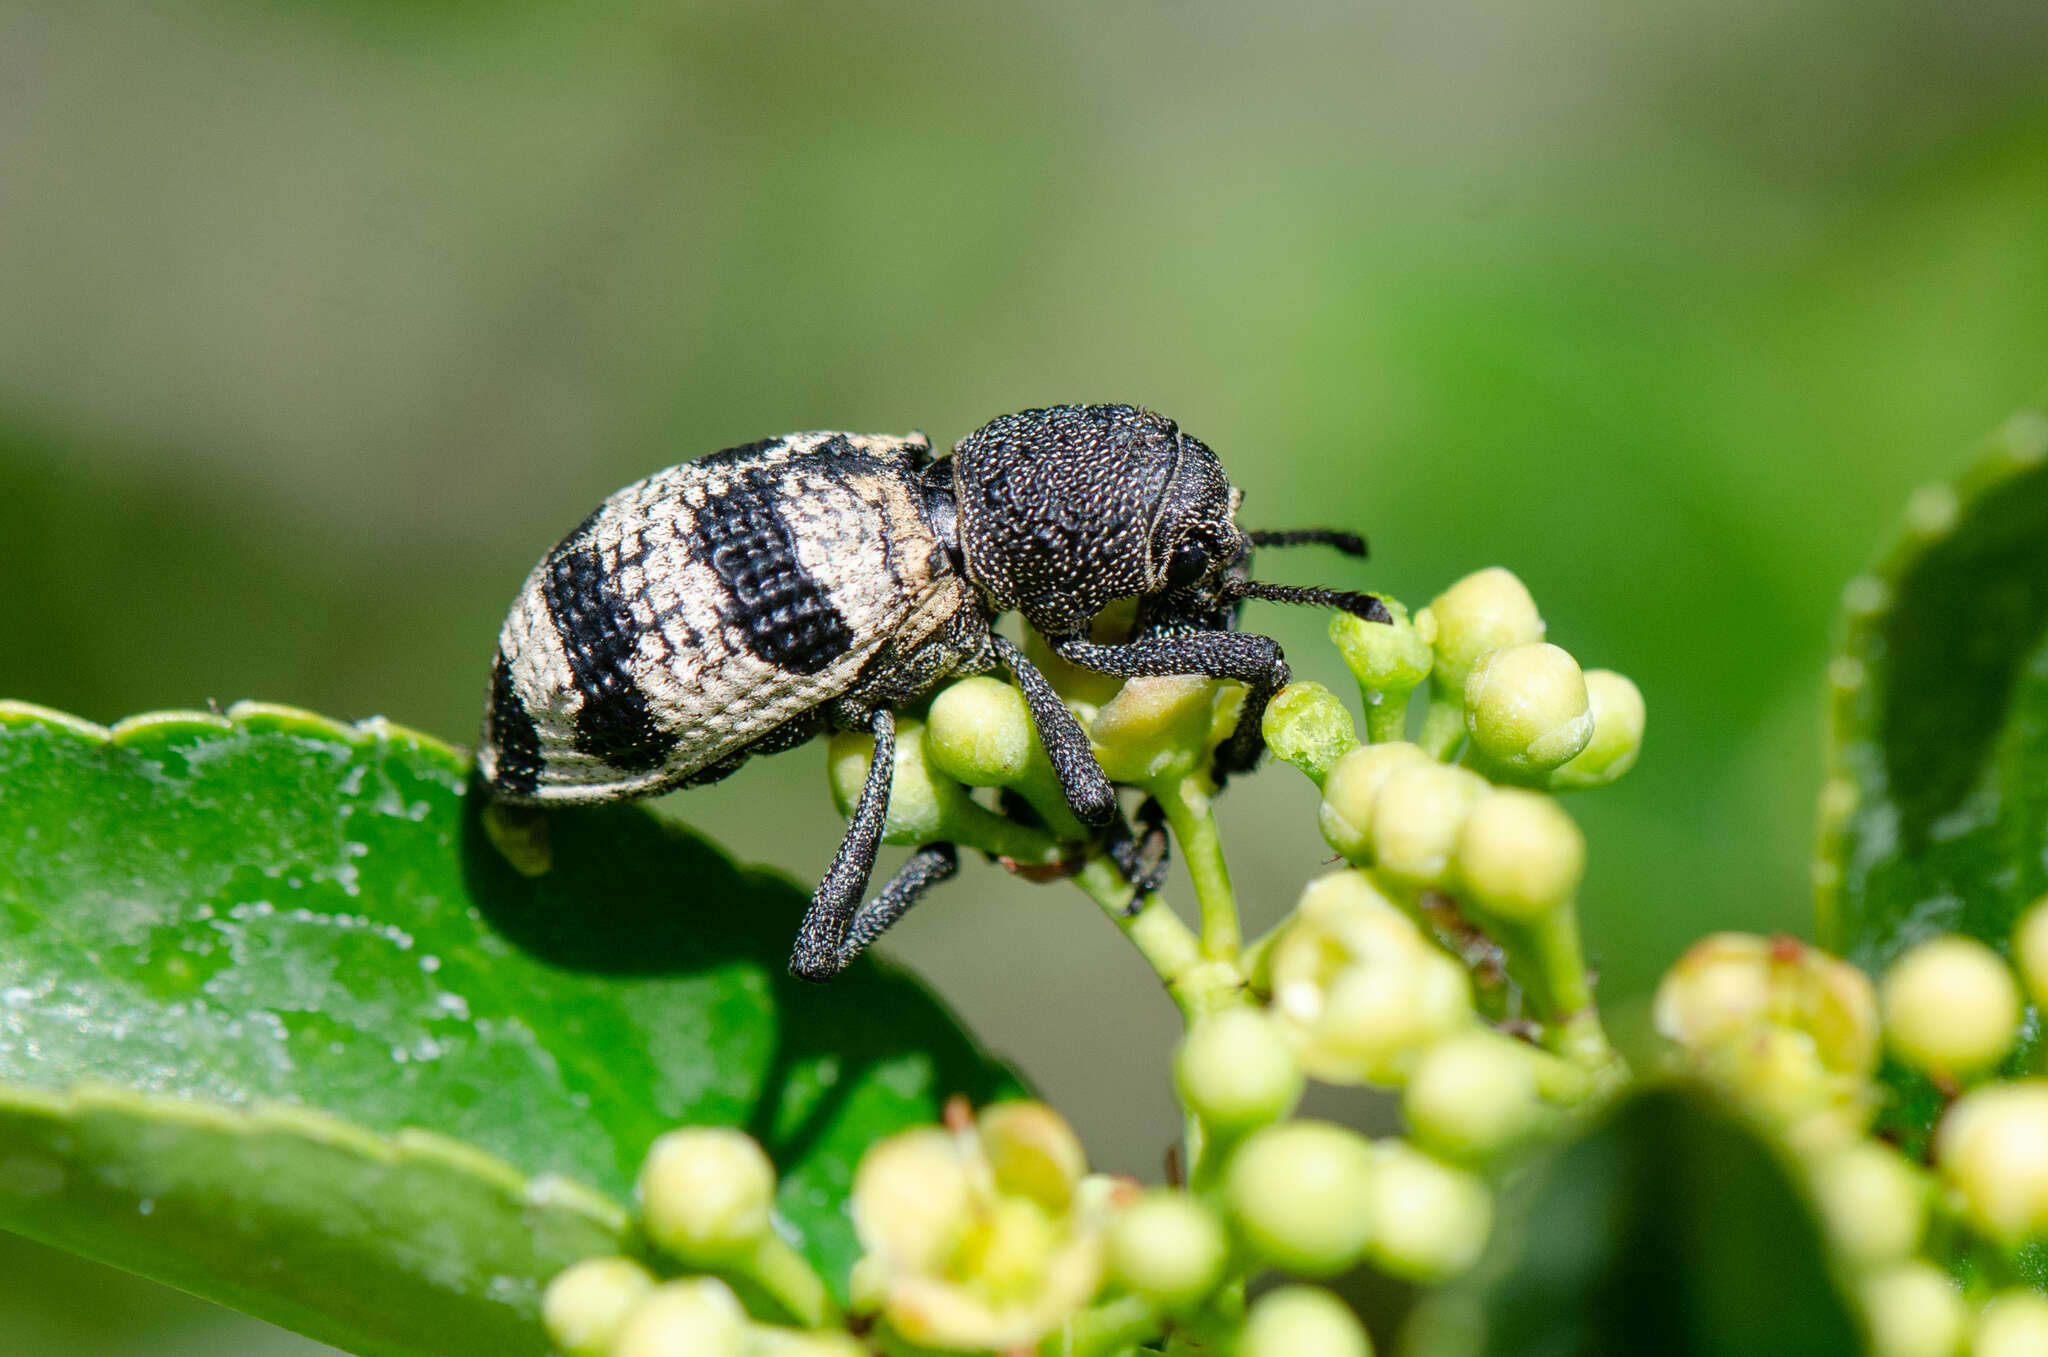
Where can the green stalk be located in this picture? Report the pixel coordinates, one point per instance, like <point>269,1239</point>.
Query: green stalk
<point>1443,726</point>
<point>1156,931</point>
<point>1112,1327</point>
<point>1546,958</point>
<point>1189,811</point>
<point>791,1282</point>
<point>1386,714</point>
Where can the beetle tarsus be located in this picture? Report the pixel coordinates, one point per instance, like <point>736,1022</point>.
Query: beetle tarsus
<point>820,943</point>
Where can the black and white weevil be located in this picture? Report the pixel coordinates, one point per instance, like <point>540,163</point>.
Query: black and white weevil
<point>742,603</point>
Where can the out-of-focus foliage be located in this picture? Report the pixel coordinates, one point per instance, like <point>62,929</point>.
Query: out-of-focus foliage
<point>322,320</point>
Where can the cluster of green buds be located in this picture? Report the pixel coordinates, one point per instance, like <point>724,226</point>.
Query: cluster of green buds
<point>1931,1239</point>
<point>1443,961</point>
<point>706,1196</point>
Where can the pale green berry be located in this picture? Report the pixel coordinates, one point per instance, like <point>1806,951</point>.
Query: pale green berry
<point>1351,788</point>
<point>1378,1019</point>
<point>587,1303</point>
<point>1526,708</point>
<point>1306,725</point>
<point>705,1193</point>
<point>981,733</point>
<point>1520,856</point>
<point>695,1317</point>
<point>1487,610</point>
<point>1950,1006</point>
<point>1417,817</point>
<point>1992,1148</point>
<point>1236,1071</point>
<point>1302,1195</point>
<point>2012,1324</point>
<point>1431,1221</point>
<point>1472,1096</point>
<point>1618,718</point>
<point>923,802</point>
<point>1914,1311</point>
<point>1168,1247</point>
<point>1386,657</point>
<point>1302,1321</point>
<point>2030,949</point>
<point>1872,1201</point>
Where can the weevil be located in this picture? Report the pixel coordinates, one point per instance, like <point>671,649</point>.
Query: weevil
<point>744,602</point>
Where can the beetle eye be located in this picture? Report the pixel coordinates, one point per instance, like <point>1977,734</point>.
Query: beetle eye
<point>1190,562</point>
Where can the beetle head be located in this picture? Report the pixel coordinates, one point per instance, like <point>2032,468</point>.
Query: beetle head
<point>1064,510</point>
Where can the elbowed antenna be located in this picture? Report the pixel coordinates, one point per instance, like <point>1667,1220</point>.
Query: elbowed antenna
<point>1350,543</point>
<point>1358,605</point>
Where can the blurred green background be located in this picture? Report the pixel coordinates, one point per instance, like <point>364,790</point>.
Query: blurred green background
<point>319,322</point>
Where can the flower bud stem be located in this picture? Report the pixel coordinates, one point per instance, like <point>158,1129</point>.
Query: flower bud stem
<point>1110,1328</point>
<point>1443,726</point>
<point>1544,957</point>
<point>1189,811</point>
<point>788,1279</point>
<point>1156,931</point>
<point>1386,714</point>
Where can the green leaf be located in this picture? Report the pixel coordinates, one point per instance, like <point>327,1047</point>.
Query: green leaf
<point>1934,818</point>
<point>1670,1228</point>
<point>278,1025</point>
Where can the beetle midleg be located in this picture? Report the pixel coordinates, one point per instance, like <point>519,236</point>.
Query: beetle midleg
<point>822,937</point>
<point>1251,659</point>
<point>1086,786</point>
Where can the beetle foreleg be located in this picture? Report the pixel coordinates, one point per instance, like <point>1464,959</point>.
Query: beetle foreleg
<point>1253,660</point>
<point>821,941</point>
<point>1082,780</point>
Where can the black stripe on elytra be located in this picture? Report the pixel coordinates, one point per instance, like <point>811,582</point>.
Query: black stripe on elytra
<point>785,617</point>
<point>518,767</point>
<point>599,637</point>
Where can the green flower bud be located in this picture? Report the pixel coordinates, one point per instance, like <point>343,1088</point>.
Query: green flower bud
<point>1388,660</point>
<point>1526,708</point>
<point>705,1193</point>
<point>1873,1202</point>
<point>1950,1006</point>
<point>1914,1311</point>
<point>1520,855</point>
<point>1783,1026</point>
<point>1352,786</point>
<point>1302,1195</point>
<point>1112,626</point>
<point>2013,1324</point>
<point>1431,1220</point>
<point>1236,1071</point>
<point>980,733</point>
<point>2030,949</point>
<point>1156,728</point>
<point>587,1303</point>
<point>1168,1247</point>
<point>1487,610</point>
<point>1302,1321</point>
<point>1357,989</point>
<point>1472,1096</point>
<point>923,802</point>
<point>1992,1148</point>
<point>695,1317</point>
<point>1618,716</point>
<point>1417,819</point>
<point>1308,727</point>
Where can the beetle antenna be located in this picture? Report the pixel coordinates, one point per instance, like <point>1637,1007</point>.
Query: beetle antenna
<point>1350,543</point>
<point>1358,605</point>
